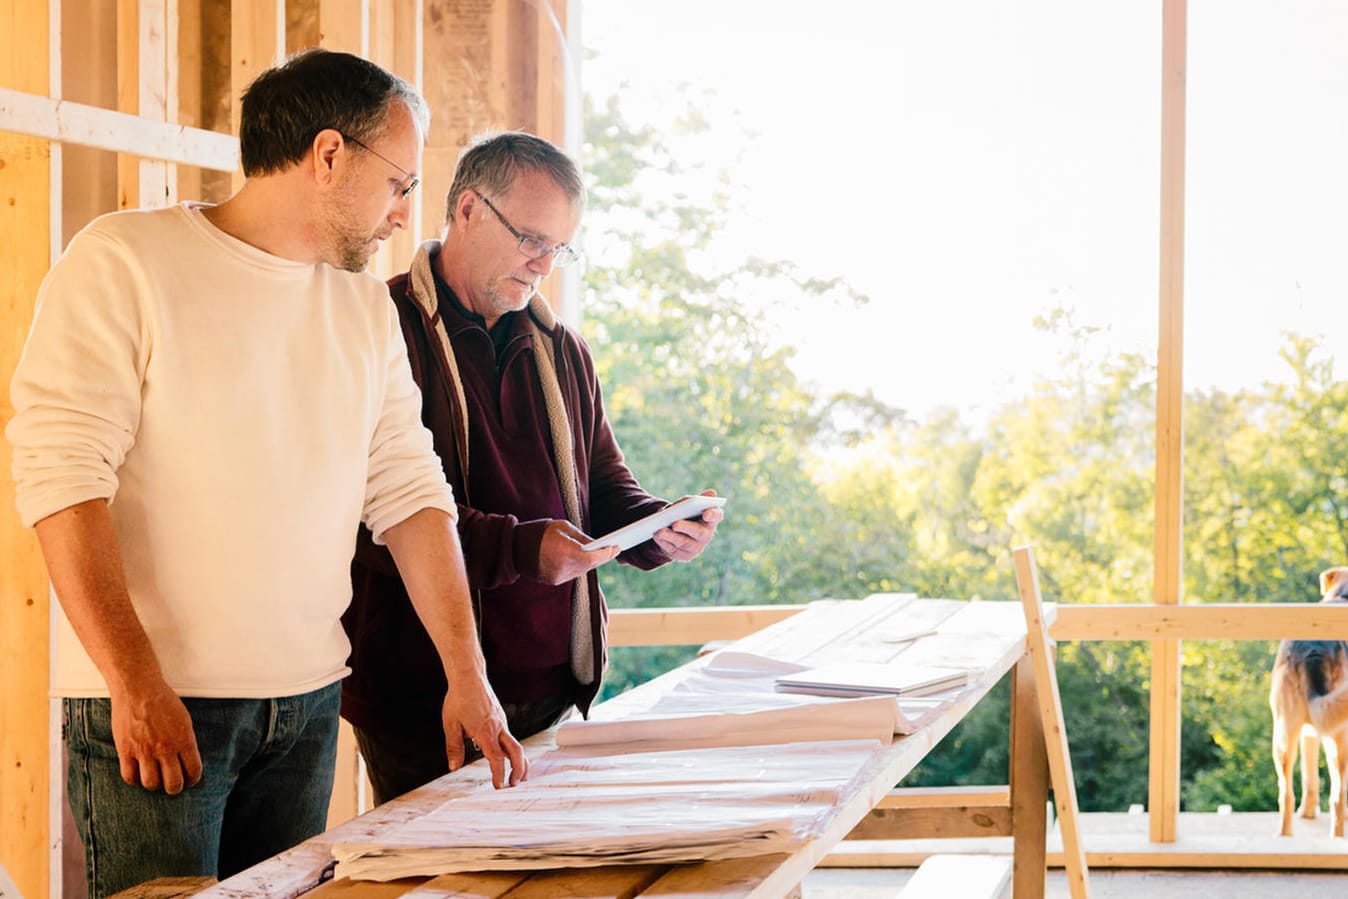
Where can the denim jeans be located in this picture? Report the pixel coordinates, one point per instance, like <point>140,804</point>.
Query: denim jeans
<point>267,777</point>
<point>400,761</point>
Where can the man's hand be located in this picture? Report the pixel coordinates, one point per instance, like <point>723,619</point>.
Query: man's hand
<point>155,742</point>
<point>473,712</point>
<point>685,540</point>
<point>560,557</point>
<point>426,547</point>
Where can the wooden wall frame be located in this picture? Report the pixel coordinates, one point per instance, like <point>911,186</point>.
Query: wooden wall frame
<point>178,67</point>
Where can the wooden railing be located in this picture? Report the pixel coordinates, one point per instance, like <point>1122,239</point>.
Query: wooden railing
<point>1127,621</point>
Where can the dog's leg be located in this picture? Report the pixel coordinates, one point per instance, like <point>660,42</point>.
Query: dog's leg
<point>1336,754</point>
<point>1284,759</point>
<point>1310,774</point>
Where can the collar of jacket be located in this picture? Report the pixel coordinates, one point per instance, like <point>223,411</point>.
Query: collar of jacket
<point>585,662</point>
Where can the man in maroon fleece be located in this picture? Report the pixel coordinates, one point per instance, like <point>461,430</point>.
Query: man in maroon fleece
<point>512,400</point>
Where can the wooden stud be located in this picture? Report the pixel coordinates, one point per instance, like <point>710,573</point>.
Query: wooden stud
<point>25,609</point>
<point>1164,777</point>
<point>1029,783</point>
<point>257,42</point>
<point>157,27</point>
<point>396,44</point>
<point>1055,731</point>
<point>345,25</point>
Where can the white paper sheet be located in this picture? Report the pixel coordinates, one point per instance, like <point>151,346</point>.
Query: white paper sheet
<point>580,809</point>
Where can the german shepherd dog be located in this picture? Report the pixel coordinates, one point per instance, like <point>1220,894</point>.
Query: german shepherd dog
<point>1309,698</point>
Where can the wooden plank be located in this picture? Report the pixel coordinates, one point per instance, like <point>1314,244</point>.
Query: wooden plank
<point>39,116</point>
<point>946,797</point>
<point>672,627</point>
<point>1050,713</point>
<point>25,610</point>
<point>128,97</point>
<point>949,822</point>
<point>1164,775</point>
<point>617,881</point>
<point>188,72</point>
<point>396,41</point>
<point>1240,841</point>
<point>457,37</point>
<point>1029,783</point>
<point>480,885</point>
<point>257,42</point>
<point>965,876</point>
<point>1209,621</point>
<point>1132,621</point>
<point>345,25</point>
<point>157,88</point>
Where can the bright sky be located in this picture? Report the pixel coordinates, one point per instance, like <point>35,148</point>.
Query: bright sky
<point>970,164</point>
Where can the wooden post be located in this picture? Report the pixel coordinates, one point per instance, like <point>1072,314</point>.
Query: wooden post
<point>1054,728</point>
<point>493,67</point>
<point>1029,783</point>
<point>1164,775</point>
<point>147,86</point>
<point>25,609</point>
<point>395,31</point>
<point>257,42</point>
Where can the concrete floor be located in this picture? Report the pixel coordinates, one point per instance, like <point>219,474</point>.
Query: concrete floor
<point>874,883</point>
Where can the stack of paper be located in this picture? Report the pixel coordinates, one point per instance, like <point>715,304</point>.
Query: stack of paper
<point>580,809</point>
<point>869,679</point>
<point>733,701</point>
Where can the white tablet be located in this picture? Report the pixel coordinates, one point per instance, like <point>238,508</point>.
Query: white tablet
<point>643,529</point>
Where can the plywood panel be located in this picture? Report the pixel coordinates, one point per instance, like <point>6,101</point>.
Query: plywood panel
<point>25,221</point>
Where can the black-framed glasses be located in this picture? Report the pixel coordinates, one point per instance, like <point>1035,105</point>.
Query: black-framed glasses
<point>535,249</point>
<point>411,184</point>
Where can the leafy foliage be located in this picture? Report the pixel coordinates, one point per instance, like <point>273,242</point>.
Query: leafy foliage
<point>843,496</point>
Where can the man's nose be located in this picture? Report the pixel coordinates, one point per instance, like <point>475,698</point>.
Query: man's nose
<point>401,213</point>
<point>543,265</point>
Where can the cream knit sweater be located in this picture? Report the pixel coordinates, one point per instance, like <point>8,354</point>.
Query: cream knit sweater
<point>242,413</point>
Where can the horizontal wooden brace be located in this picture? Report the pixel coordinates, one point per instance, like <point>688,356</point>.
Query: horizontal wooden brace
<point>1206,621</point>
<point>106,129</point>
<point>933,823</point>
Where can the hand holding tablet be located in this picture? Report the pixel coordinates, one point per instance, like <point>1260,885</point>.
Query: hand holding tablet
<point>642,530</point>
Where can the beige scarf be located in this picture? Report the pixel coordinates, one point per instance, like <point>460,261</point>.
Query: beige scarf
<point>422,288</point>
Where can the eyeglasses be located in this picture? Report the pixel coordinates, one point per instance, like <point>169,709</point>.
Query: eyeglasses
<point>562,254</point>
<point>411,184</point>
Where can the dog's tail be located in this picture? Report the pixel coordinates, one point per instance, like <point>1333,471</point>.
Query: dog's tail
<point>1323,665</point>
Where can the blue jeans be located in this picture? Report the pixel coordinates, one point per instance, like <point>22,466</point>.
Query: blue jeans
<point>267,777</point>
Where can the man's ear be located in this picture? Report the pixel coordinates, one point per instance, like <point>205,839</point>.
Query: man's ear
<point>467,206</point>
<point>323,153</point>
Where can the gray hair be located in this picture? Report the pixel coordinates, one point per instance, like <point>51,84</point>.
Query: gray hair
<point>493,162</point>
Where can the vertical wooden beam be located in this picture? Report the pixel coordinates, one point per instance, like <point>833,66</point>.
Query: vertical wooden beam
<point>25,609</point>
<point>504,65</point>
<point>88,76</point>
<point>1029,783</point>
<point>345,25</point>
<point>128,96</point>
<point>189,74</point>
<point>301,25</point>
<point>395,30</point>
<point>157,93</point>
<point>1164,777</point>
<point>257,42</point>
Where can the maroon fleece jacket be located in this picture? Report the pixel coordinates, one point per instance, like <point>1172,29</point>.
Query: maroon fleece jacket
<point>509,497</point>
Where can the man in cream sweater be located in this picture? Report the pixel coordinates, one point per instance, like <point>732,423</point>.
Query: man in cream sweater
<point>211,399</point>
